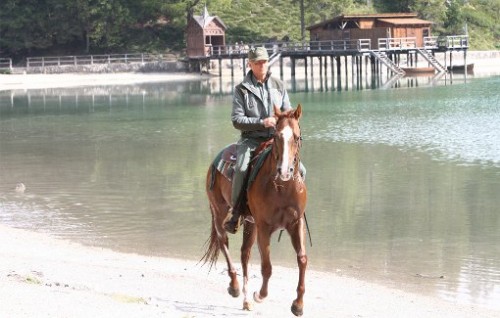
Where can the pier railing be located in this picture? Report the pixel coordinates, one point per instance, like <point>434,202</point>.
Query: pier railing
<point>340,45</point>
<point>90,59</point>
<point>384,44</point>
<point>5,64</point>
<point>312,46</point>
<point>446,42</point>
<point>397,43</point>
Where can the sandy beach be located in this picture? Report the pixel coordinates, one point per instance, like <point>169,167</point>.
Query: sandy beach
<point>37,81</point>
<point>45,277</point>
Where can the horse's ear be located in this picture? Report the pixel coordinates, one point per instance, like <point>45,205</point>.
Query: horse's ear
<point>298,112</point>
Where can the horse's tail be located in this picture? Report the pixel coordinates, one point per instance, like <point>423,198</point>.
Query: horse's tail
<point>213,248</point>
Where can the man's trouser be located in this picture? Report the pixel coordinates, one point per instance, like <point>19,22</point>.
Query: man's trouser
<point>244,152</point>
<point>243,155</point>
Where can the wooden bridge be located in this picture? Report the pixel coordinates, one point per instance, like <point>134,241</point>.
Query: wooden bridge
<point>386,52</point>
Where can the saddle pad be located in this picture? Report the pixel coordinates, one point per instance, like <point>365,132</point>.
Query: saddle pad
<point>225,161</point>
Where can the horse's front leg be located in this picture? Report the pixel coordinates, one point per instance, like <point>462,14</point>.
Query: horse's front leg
<point>263,239</point>
<point>249,235</point>
<point>297,235</point>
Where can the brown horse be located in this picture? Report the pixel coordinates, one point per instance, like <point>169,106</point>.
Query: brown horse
<point>276,200</point>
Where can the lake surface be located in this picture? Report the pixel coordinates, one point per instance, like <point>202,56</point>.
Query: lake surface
<point>404,184</point>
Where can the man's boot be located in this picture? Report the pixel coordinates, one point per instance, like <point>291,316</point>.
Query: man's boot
<point>233,224</point>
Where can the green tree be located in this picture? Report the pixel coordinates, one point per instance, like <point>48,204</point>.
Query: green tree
<point>432,10</point>
<point>453,22</point>
<point>24,27</point>
<point>35,27</point>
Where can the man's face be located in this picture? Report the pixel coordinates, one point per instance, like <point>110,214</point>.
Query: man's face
<point>259,68</point>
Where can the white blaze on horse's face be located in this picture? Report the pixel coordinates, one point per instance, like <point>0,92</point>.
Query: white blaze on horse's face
<point>285,165</point>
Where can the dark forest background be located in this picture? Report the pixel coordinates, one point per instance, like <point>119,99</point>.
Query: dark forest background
<point>67,27</point>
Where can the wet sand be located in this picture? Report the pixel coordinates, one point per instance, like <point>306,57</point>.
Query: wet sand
<point>45,277</point>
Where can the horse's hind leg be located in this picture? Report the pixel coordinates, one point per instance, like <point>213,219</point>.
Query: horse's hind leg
<point>249,235</point>
<point>297,234</point>
<point>234,286</point>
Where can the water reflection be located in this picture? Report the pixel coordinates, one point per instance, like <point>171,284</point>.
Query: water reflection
<point>97,97</point>
<point>403,184</point>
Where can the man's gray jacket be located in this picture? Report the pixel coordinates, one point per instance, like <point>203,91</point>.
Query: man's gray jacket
<point>249,110</point>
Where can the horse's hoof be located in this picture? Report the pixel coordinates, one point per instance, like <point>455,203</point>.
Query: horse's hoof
<point>296,310</point>
<point>247,306</point>
<point>235,292</point>
<point>257,297</point>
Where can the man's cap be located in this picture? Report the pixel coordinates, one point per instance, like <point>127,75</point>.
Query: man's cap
<point>258,54</point>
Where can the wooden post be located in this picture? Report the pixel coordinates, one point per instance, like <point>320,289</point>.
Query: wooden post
<point>305,67</point>
<point>339,79</point>
<point>361,68</point>
<point>465,64</point>
<point>232,67</point>
<point>360,71</point>
<point>320,73</point>
<point>326,68</point>
<point>281,67</point>
<point>353,67</point>
<point>338,67</point>
<point>312,67</point>
<point>320,66</point>
<point>346,70</point>
<point>331,65</point>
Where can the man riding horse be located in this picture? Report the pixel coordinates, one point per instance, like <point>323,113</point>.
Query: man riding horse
<point>252,114</point>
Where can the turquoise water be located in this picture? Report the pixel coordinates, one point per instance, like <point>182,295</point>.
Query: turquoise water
<point>403,183</point>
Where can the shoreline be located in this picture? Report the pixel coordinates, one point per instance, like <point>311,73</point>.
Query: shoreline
<point>44,276</point>
<point>64,80</point>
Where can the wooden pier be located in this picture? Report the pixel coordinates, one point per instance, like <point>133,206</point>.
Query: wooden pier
<point>341,58</point>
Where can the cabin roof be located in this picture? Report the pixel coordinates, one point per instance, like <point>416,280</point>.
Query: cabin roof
<point>205,19</point>
<point>394,18</point>
<point>399,21</point>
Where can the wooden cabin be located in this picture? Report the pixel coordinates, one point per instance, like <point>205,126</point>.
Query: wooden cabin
<point>373,27</point>
<point>203,32</point>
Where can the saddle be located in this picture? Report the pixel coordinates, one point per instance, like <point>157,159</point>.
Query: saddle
<point>225,161</point>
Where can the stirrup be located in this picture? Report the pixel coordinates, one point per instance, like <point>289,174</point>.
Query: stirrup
<point>232,225</point>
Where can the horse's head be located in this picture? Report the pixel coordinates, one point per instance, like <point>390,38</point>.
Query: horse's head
<point>287,141</point>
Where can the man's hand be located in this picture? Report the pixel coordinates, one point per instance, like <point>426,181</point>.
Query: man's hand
<point>269,122</point>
